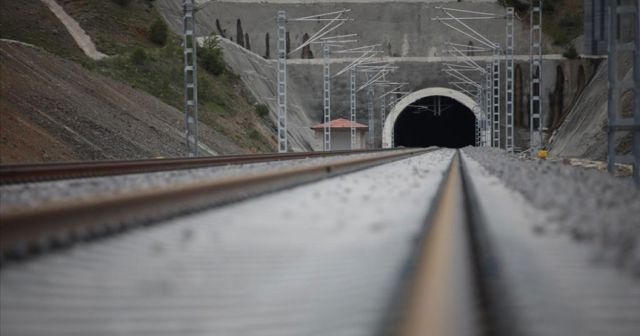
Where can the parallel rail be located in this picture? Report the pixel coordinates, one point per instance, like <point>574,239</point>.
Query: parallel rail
<point>12,174</point>
<point>26,230</point>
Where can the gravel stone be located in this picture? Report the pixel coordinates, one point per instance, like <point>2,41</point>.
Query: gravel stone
<point>30,195</point>
<point>587,205</point>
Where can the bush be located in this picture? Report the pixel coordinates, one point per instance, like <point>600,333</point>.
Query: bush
<point>138,57</point>
<point>262,110</point>
<point>571,52</point>
<point>211,56</point>
<point>122,2</point>
<point>158,32</point>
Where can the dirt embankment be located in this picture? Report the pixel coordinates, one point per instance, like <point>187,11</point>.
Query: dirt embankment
<point>53,109</point>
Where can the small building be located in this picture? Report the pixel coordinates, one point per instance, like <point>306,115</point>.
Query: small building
<point>341,134</point>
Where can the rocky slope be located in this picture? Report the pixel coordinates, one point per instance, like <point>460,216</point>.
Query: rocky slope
<point>52,109</point>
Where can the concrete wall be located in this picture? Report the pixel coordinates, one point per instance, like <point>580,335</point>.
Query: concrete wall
<point>402,28</point>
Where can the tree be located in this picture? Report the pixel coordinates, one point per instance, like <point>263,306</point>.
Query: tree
<point>158,32</point>
<point>239,33</point>
<point>246,41</point>
<point>211,56</point>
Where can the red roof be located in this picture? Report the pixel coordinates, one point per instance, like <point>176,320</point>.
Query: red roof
<point>339,123</point>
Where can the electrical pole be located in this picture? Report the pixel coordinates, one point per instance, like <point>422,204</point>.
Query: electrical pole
<point>352,105</point>
<point>282,82</point>
<point>326,52</point>
<point>370,93</point>
<point>190,78</point>
<point>536,123</point>
<point>618,45</point>
<point>509,51</point>
<point>496,96</point>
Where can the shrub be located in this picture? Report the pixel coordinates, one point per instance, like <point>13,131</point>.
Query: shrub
<point>262,110</point>
<point>138,57</point>
<point>158,32</point>
<point>571,52</point>
<point>211,56</point>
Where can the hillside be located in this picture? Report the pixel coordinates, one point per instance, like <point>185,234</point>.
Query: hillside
<point>229,121</point>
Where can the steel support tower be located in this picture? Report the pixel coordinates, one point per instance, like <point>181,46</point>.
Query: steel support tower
<point>326,79</point>
<point>618,86</point>
<point>370,93</point>
<point>352,105</point>
<point>190,78</point>
<point>488,106</point>
<point>536,140</point>
<point>383,110</point>
<point>282,81</point>
<point>509,99</point>
<point>495,73</point>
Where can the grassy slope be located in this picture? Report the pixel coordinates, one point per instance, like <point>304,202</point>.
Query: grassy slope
<point>117,31</point>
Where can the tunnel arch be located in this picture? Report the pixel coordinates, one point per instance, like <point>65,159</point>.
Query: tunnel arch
<point>392,117</point>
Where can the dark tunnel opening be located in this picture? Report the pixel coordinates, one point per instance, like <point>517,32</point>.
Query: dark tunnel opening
<point>435,121</point>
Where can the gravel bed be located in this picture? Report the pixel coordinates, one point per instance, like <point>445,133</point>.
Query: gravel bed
<point>30,195</point>
<point>588,205</point>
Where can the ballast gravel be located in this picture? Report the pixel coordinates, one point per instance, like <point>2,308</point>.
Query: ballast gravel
<point>590,206</point>
<point>30,195</point>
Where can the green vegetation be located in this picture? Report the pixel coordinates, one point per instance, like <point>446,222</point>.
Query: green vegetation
<point>571,52</point>
<point>138,59</point>
<point>563,19</point>
<point>210,56</point>
<point>262,110</point>
<point>158,32</point>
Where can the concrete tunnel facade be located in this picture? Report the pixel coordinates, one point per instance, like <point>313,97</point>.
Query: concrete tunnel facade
<point>457,123</point>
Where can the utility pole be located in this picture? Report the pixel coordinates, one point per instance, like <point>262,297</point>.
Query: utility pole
<point>352,105</point>
<point>370,93</point>
<point>496,96</point>
<point>618,45</point>
<point>282,82</point>
<point>190,78</point>
<point>326,52</point>
<point>509,102</point>
<point>536,123</point>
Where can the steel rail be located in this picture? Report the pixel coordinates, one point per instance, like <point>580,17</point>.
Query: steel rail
<point>21,173</point>
<point>441,297</point>
<point>21,231</point>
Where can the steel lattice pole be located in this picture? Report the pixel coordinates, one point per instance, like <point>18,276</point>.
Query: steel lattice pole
<point>370,93</point>
<point>488,105</point>
<point>326,49</point>
<point>496,96</point>
<point>352,94</point>
<point>535,78</point>
<point>282,82</point>
<point>190,78</point>
<point>509,99</point>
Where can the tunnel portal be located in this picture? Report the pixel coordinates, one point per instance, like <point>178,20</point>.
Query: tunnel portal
<point>435,121</point>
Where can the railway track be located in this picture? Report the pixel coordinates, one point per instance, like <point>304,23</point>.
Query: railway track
<point>28,230</point>
<point>22,173</point>
<point>399,243</point>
